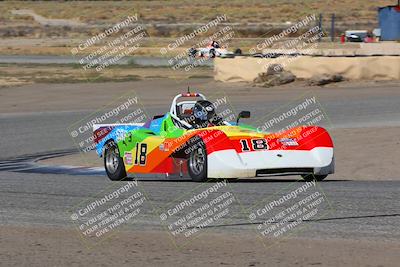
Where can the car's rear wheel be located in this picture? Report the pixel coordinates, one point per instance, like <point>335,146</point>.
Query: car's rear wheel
<point>113,163</point>
<point>238,51</point>
<point>311,177</point>
<point>197,162</point>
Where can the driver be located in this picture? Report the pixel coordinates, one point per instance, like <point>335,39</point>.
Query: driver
<point>213,44</point>
<point>204,114</point>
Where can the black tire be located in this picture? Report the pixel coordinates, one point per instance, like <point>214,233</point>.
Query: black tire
<point>257,55</point>
<point>197,161</point>
<point>211,53</point>
<point>192,52</point>
<point>113,163</point>
<point>311,177</point>
<point>238,51</point>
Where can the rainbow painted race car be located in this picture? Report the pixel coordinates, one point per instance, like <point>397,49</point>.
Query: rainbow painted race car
<point>192,140</point>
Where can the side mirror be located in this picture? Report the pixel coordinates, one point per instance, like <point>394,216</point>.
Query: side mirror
<point>243,114</point>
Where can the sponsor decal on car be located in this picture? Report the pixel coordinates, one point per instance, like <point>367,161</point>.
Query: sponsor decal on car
<point>288,142</point>
<point>128,158</point>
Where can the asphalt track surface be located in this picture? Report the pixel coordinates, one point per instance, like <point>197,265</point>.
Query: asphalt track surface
<point>358,209</point>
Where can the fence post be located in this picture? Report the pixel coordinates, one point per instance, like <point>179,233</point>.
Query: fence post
<point>333,27</point>
<point>320,26</point>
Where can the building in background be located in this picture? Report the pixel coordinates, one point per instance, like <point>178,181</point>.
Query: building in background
<point>389,22</point>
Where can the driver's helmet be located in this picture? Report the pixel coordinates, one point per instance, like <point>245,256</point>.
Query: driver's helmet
<point>203,111</point>
<point>215,44</point>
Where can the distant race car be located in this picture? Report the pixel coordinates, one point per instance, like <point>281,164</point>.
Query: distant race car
<point>213,50</point>
<point>191,140</point>
<point>356,35</point>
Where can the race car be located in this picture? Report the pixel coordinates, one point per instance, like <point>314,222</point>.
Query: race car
<point>213,50</point>
<point>193,141</point>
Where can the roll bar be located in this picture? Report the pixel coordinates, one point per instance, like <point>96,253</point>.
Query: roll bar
<point>173,107</point>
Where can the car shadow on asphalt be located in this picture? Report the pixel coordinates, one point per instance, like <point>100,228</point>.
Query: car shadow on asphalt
<point>233,181</point>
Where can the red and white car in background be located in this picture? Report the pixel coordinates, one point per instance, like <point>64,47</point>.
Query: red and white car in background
<point>213,49</point>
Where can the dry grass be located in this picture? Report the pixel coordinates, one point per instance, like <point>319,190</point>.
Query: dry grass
<point>184,11</point>
<point>146,49</point>
<point>64,50</point>
<point>101,13</point>
<point>13,74</point>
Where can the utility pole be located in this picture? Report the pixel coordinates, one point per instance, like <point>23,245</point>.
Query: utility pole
<point>333,27</point>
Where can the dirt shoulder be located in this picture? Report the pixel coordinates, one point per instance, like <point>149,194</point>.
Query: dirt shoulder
<point>35,246</point>
<point>23,74</point>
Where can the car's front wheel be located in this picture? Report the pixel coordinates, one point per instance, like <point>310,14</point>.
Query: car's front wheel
<point>192,52</point>
<point>212,53</point>
<point>113,163</point>
<point>197,162</point>
<point>311,177</point>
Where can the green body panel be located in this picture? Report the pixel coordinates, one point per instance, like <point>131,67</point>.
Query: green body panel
<point>169,130</point>
<point>248,127</point>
